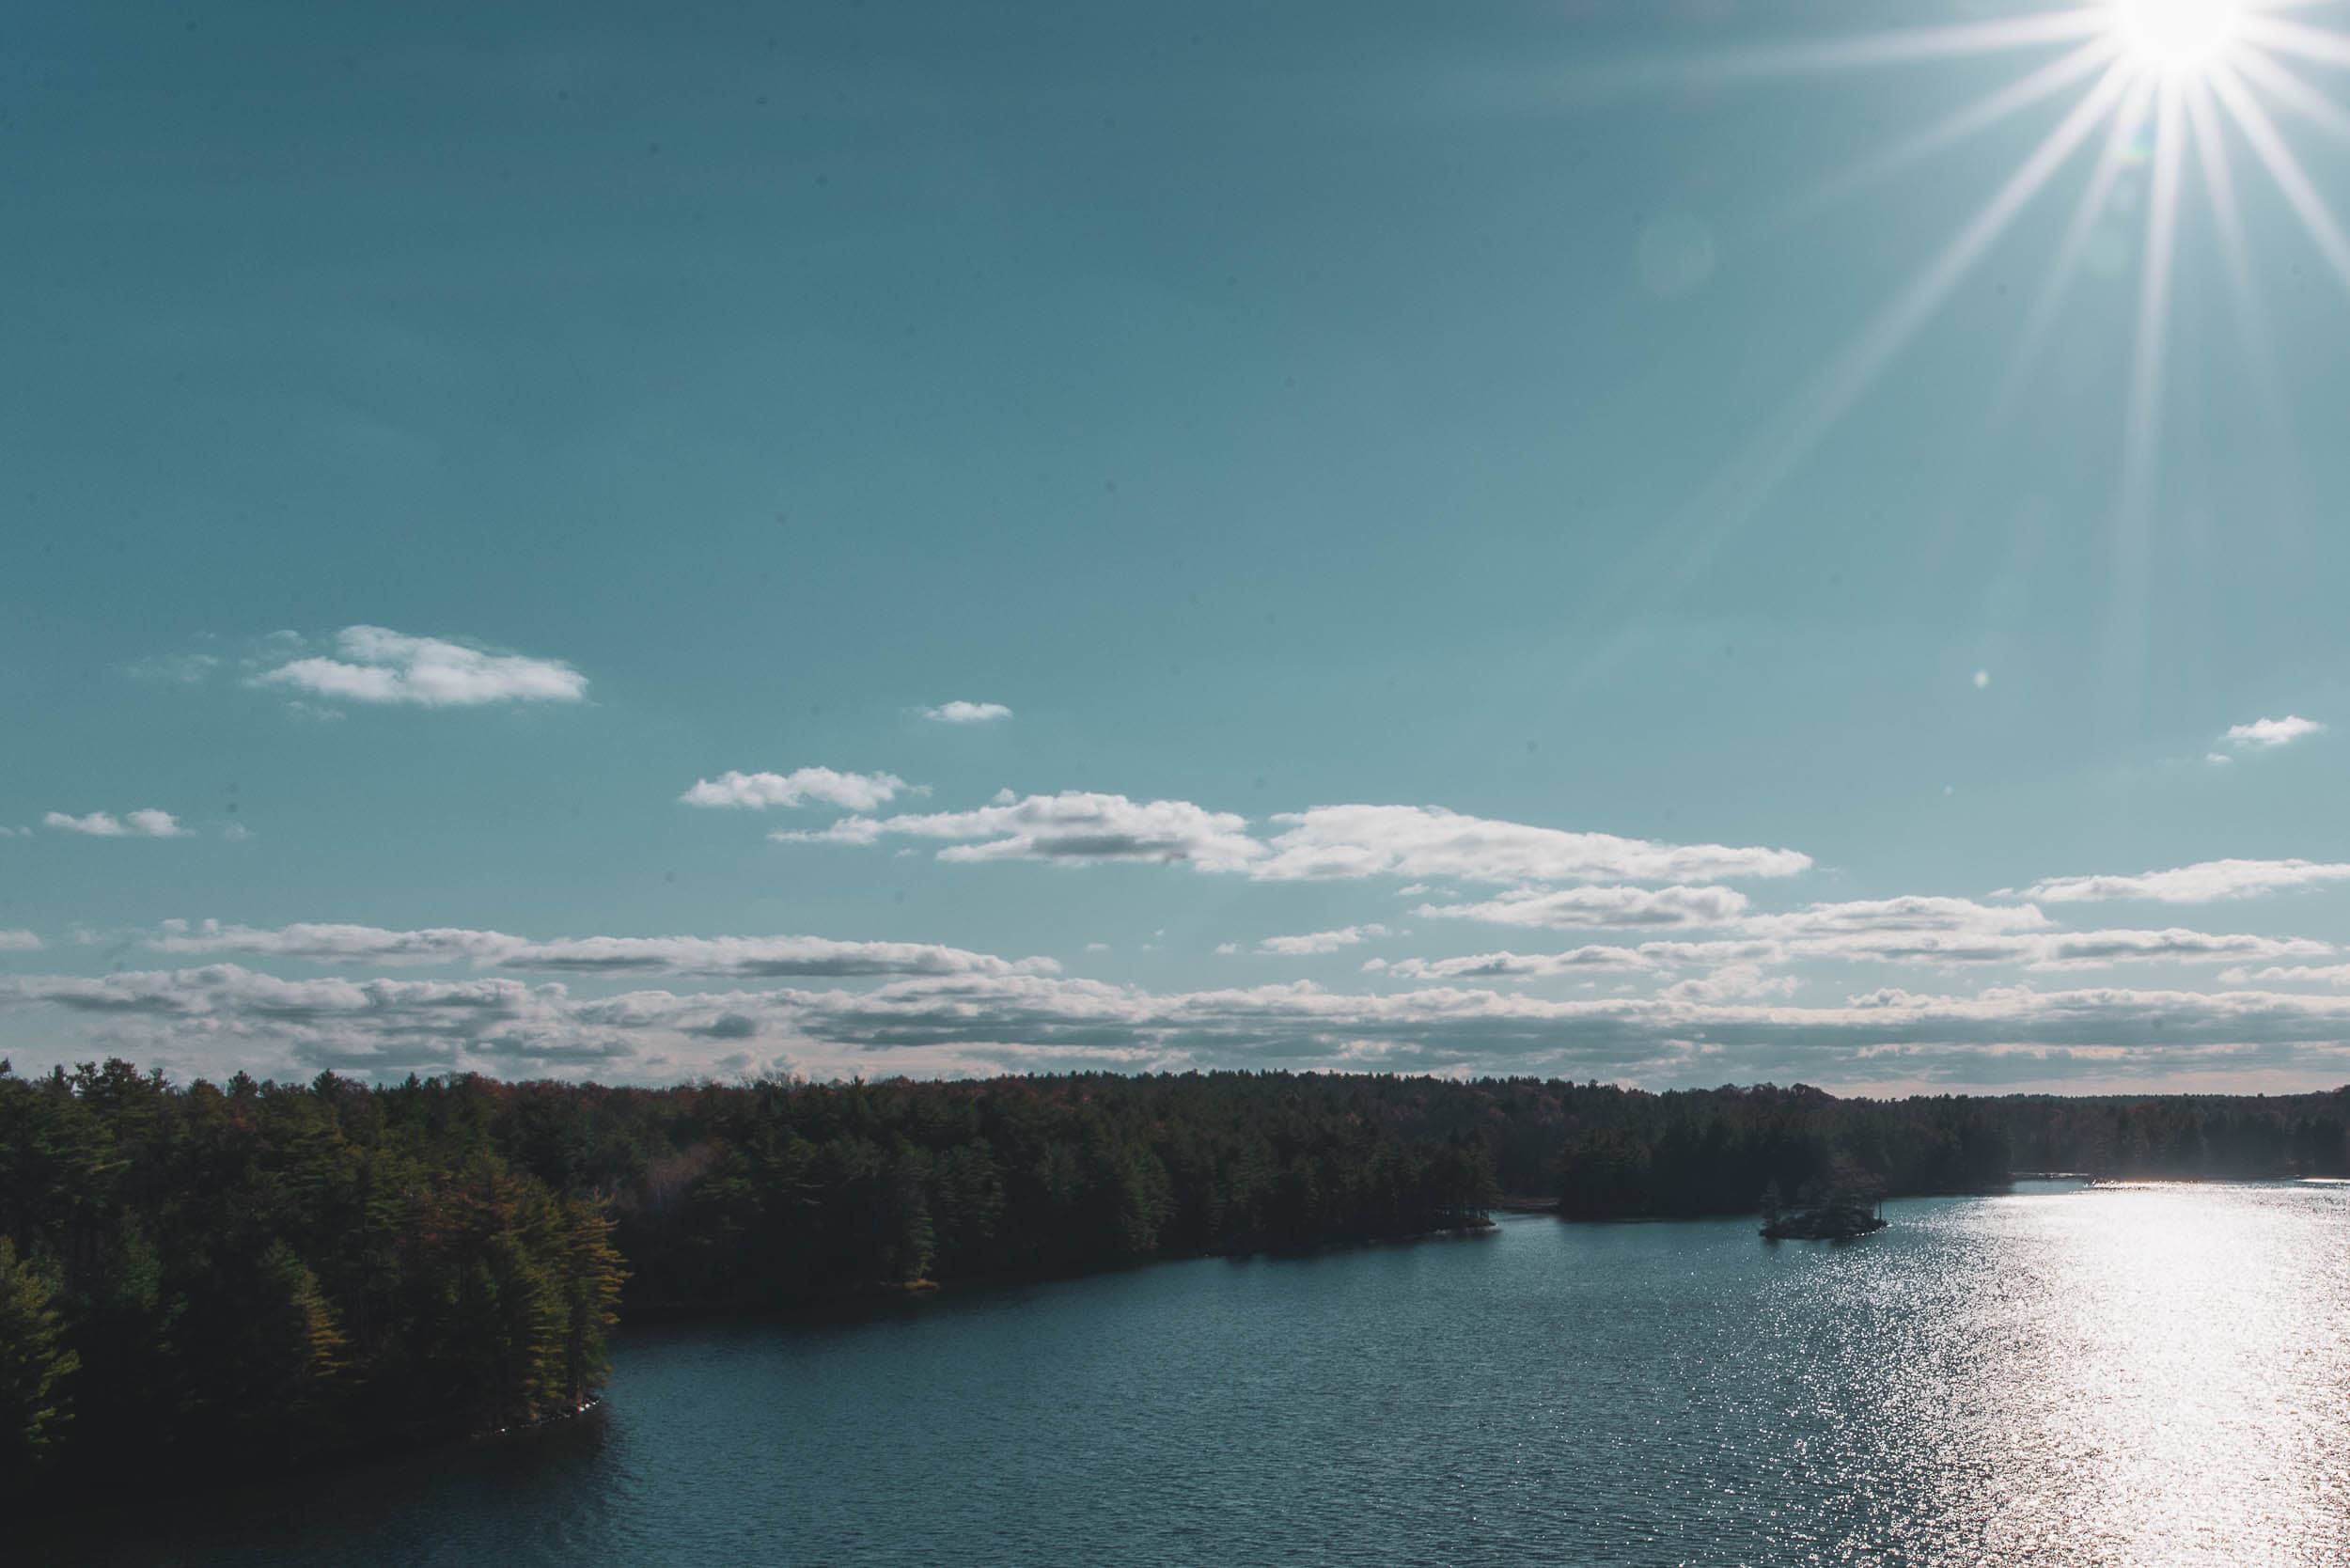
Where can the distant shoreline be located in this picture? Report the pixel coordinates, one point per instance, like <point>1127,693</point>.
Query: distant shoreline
<point>855,1301</point>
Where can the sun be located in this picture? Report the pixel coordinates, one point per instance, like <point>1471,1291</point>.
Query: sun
<point>2171,100</point>
<point>2178,37</point>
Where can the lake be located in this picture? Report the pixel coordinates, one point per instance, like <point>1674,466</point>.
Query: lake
<point>2154,1375</point>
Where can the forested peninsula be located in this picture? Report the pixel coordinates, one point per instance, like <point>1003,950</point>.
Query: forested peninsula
<point>212,1276</point>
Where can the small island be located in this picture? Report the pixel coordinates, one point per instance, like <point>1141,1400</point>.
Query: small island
<point>1844,1206</point>
<point>1834,1222</point>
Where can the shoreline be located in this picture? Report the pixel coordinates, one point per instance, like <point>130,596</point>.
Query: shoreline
<point>876,1295</point>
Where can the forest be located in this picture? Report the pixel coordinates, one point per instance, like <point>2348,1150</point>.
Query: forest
<point>206,1276</point>
<point>1628,1154</point>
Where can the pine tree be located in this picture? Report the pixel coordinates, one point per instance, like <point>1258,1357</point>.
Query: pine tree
<point>32,1365</point>
<point>591,1297</point>
<point>311,1351</point>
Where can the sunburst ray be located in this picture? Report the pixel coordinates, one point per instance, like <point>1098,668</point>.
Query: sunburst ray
<point>2285,169</point>
<point>1976,118</point>
<point>2297,38</point>
<point>2055,284</point>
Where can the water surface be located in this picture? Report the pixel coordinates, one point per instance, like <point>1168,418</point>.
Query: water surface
<point>2125,1375</point>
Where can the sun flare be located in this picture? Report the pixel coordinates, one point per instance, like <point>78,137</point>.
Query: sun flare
<point>2174,102</point>
<point>2176,36</point>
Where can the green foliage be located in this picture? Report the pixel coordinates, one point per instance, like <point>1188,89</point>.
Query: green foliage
<point>272,1273</point>
<point>33,1365</point>
<point>780,1193</point>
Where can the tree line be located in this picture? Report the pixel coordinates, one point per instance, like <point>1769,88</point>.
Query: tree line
<point>207,1274</point>
<point>212,1276</point>
<point>1716,1152</point>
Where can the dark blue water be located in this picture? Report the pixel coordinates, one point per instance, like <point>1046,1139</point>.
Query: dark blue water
<point>2113,1375</point>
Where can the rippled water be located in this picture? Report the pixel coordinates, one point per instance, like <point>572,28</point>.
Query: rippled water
<point>2139,1375</point>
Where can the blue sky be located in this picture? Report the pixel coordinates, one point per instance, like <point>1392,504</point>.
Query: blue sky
<point>1667,527</point>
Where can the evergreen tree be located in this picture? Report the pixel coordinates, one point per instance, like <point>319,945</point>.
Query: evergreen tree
<point>34,1366</point>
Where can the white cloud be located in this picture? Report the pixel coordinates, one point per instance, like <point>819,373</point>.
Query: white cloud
<point>757,956</point>
<point>2093,949</point>
<point>18,941</point>
<point>1072,828</point>
<point>853,792</point>
<point>1510,966</point>
<point>848,830</point>
<point>1598,908</point>
<point>1321,941</point>
<point>374,665</point>
<point>1913,928</point>
<point>966,712</point>
<point>2267,732</point>
<point>2302,974</point>
<point>1907,930</point>
<point>1969,935</point>
<point>1324,842</point>
<point>737,957</point>
<point>218,1017</point>
<point>148,823</point>
<point>330,942</point>
<point>2205,881</point>
<point>1912,913</point>
<point>1948,934</point>
<point>1426,841</point>
<point>1730,982</point>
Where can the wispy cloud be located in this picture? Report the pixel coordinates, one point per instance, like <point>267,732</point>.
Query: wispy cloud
<point>1318,942</point>
<point>1731,983</point>
<point>853,792</point>
<point>148,823</point>
<point>2265,733</point>
<point>1912,913</point>
<point>1598,908</point>
<point>1510,966</point>
<point>1427,842</point>
<point>18,941</point>
<point>1325,842</point>
<point>2090,950</point>
<point>739,957</point>
<point>960,1024</point>
<point>1915,932</point>
<point>2296,974</point>
<point>173,670</point>
<point>373,665</point>
<point>2205,881</point>
<point>966,712</point>
<point>1070,828</point>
